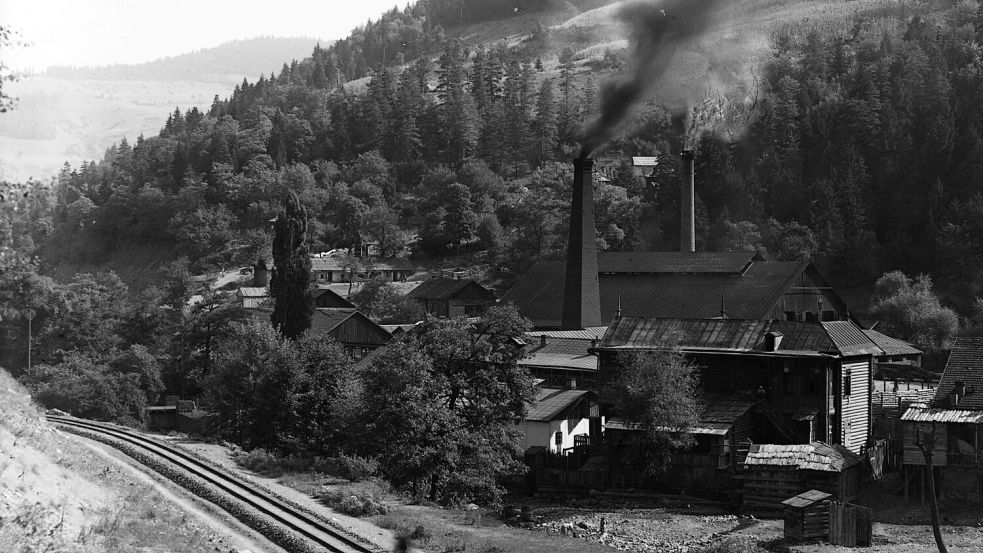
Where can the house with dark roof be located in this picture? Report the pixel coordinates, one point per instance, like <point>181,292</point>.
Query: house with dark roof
<point>563,361</point>
<point>326,297</point>
<point>900,366</point>
<point>952,424</point>
<point>810,380</point>
<point>448,298</point>
<point>558,419</point>
<point>357,333</point>
<point>737,285</point>
<point>325,270</point>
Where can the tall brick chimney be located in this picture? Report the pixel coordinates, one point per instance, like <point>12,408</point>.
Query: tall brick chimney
<point>687,202</point>
<point>581,297</point>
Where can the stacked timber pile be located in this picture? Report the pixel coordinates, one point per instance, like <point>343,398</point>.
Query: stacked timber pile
<point>807,516</point>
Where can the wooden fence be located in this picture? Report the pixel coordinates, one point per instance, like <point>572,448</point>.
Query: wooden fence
<point>849,525</point>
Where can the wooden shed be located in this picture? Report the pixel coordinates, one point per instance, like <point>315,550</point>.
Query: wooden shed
<point>807,515</point>
<point>773,473</point>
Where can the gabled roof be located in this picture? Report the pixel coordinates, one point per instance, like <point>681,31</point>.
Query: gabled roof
<point>568,353</point>
<point>815,456</point>
<point>551,403</point>
<point>735,335</point>
<point>965,365</point>
<point>333,297</point>
<point>588,333</point>
<point>326,319</point>
<point>665,284</point>
<point>446,288</point>
<point>891,346</point>
<point>251,292</point>
<point>370,263</point>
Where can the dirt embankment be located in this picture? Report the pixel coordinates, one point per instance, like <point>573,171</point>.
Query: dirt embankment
<point>60,493</point>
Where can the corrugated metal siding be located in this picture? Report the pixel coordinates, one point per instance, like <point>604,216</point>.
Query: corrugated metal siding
<point>855,408</point>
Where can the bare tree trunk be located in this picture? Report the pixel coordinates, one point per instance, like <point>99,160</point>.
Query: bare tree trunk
<point>927,446</point>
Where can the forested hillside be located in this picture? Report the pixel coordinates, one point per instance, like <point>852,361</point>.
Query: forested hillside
<point>853,138</point>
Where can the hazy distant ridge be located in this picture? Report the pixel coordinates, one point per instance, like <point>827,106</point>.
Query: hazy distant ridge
<point>252,57</point>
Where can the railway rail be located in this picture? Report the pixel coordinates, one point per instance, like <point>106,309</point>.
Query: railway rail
<point>317,533</point>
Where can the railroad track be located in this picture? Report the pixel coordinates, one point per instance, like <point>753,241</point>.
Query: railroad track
<point>319,534</point>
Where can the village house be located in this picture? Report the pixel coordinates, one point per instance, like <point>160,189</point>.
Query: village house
<point>252,297</point>
<point>326,270</point>
<point>326,297</point>
<point>357,334</point>
<point>900,366</point>
<point>954,418</point>
<point>562,358</point>
<point>770,382</point>
<point>738,285</point>
<point>448,298</point>
<point>559,419</point>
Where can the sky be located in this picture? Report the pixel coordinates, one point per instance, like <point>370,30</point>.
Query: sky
<point>104,32</point>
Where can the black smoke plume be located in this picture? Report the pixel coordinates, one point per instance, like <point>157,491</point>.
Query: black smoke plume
<point>656,31</point>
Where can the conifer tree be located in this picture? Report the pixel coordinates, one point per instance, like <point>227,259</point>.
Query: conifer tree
<point>290,283</point>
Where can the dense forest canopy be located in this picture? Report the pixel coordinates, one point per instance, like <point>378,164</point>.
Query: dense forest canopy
<point>861,150</point>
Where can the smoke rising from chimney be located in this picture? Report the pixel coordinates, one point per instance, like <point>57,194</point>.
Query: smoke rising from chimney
<point>656,31</point>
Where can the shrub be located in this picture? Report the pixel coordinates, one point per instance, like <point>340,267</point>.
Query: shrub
<point>359,500</point>
<point>354,468</point>
<point>415,528</point>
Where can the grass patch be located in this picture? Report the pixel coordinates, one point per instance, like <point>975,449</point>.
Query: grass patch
<point>348,467</point>
<point>359,499</point>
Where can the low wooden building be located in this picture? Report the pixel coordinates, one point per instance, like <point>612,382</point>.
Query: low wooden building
<point>953,424</point>
<point>773,473</point>
<point>444,297</point>
<point>253,297</point>
<point>357,333</point>
<point>325,270</point>
<point>807,516</point>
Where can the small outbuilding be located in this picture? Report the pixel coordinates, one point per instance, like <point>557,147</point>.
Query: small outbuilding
<point>773,473</point>
<point>807,516</point>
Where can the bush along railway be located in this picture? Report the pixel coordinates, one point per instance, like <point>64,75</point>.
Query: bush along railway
<point>283,523</point>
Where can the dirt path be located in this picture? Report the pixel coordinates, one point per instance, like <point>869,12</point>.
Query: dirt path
<point>227,533</point>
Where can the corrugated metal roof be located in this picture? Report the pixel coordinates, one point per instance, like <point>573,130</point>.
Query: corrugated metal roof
<point>752,295</point>
<point>589,333</point>
<point>559,352</point>
<point>965,365</point>
<point>731,335</point>
<point>717,416</point>
<point>891,346</point>
<point>445,288</point>
<point>371,263</point>
<point>644,161</point>
<point>850,339</point>
<point>710,428</point>
<point>552,402</point>
<point>924,414</point>
<point>814,456</point>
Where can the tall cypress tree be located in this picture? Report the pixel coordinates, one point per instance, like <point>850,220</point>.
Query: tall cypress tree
<point>290,283</point>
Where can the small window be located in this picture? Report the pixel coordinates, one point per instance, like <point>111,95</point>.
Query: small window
<point>847,383</point>
<point>558,439</point>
